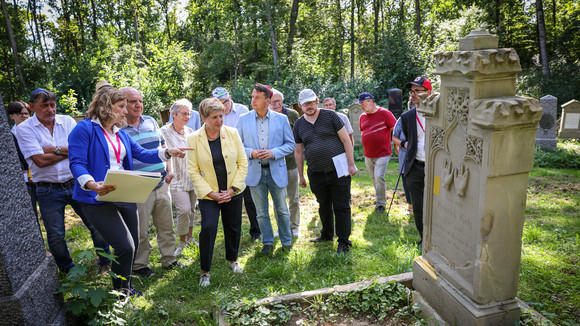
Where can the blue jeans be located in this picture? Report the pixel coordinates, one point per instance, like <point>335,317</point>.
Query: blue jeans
<point>52,201</point>
<point>260,197</point>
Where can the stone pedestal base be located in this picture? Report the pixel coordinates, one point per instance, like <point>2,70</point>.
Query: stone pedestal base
<point>35,303</point>
<point>457,309</point>
<point>546,143</point>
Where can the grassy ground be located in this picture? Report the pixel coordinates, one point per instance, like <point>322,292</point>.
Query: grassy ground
<point>382,246</point>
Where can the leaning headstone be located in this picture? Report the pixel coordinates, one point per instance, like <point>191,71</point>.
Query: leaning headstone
<point>354,113</point>
<point>546,134</point>
<point>570,121</point>
<point>28,279</point>
<point>479,149</point>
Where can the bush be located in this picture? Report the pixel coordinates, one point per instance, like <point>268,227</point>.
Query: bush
<point>562,157</point>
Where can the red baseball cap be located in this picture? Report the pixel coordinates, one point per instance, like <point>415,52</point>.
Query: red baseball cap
<point>420,81</point>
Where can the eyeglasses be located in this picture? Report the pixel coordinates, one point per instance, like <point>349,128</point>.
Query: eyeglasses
<point>185,114</point>
<point>417,91</point>
<point>22,113</point>
<point>224,102</point>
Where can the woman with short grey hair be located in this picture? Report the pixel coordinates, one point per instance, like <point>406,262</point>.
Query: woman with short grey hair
<point>181,188</point>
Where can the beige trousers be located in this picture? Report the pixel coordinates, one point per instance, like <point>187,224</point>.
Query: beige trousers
<point>185,205</point>
<point>157,206</point>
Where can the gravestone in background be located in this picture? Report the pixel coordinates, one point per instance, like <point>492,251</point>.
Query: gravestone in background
<point>354,113</point>
<point>396,102</point>
<point>479,147</point>
<point>546,134</point>
<point>28,278</point>
<point>570,121</point>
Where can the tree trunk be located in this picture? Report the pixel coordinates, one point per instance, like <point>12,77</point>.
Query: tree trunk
<point>94,27</point>
<point>10,82</point>
<point>352,4</point>
<point>377,9</point>
<point>554,14</point>
<point>402,12</point>
<point>341,34</point>
<point>236,42</point>
<point>292,30</point>
<point>542,37</point>
<point>39,36</point>
<point>272,38</point>
<point>418,19</point>
<point>14,48</point>
<point>29,21</point>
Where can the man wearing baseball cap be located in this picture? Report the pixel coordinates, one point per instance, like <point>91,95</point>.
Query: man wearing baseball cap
<point>320,135</point>
<point>413,127</point>
<point>376,124</point>
<point>232,113</point>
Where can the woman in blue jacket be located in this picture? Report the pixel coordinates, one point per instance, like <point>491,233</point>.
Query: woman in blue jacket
<point>96,145</point>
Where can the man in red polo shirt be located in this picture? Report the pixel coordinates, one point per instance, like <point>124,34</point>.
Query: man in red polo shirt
<point>376,124</point>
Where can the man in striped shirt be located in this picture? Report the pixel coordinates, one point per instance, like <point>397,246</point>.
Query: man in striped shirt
<point>145,131</point>
<point>320,136</point>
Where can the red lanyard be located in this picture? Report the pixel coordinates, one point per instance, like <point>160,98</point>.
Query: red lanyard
<point>115,149</point>
<point>418,120</point>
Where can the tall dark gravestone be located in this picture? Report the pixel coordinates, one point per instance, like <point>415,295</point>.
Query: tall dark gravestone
<point>28,278</point>
<point>396,102</point>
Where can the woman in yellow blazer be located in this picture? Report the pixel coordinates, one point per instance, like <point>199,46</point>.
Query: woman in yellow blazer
<point>217,166</point>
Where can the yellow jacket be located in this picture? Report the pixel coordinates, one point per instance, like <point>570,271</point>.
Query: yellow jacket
<point>200,163</point>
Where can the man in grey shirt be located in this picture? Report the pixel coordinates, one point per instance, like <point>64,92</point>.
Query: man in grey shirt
<point>330,104</point>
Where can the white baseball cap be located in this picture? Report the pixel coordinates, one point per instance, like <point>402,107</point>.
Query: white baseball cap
<point>307,95</point>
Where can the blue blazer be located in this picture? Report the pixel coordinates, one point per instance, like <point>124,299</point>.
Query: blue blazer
<point>281,143</point>
<point>88,153</point>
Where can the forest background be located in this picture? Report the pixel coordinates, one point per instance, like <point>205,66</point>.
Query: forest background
<point>170,49</point>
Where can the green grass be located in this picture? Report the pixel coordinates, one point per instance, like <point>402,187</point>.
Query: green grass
<point>382,246</point>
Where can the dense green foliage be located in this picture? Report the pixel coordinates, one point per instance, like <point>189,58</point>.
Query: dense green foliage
<point>171,49</point>
<point>565,156</point>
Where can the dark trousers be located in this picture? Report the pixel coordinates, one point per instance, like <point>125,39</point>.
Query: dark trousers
<point>416,183</point>
<point>231,222</point>
<point>333,197</point>
<point>252,214</point>
<point>52,200</point>
<point>406,188</point>
<point>32,192</point>
<point>119,225</point>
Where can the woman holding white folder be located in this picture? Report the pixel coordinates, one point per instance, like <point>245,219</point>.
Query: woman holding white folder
<point>217,166</point>
<point>96,145</point>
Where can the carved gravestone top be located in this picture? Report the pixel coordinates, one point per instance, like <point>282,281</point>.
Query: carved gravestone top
<point>28,279</point>
<point>479,148</point>
<point>570,121</point>
<point>354,113</point>
<point>546,134</point>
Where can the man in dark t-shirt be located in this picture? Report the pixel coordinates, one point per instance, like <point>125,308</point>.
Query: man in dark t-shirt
<point>320,136</point>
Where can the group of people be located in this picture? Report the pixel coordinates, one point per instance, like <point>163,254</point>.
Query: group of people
<point>235,158</point>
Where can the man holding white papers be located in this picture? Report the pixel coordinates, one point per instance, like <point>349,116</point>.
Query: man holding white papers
<point>145,132</point>
<point>320,135</point>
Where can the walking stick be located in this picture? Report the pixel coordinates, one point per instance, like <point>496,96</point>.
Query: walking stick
<point>394,193</point>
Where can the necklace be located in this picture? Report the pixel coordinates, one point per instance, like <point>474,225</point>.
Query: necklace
<point>213,138</point>
<point>181,133</point>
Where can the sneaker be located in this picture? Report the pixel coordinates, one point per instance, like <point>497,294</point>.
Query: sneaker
<point>236,268</point>
<point>128,293</point>
<point>173,265</point>
<point>380,209</point>
<point>104,268</point>
<point>204,280</point>
<point>267,249</point>
<point>256,238</point>
<point>193,241</point>
<point>286,248</point>
<point>320,238</point>
<point>179,248</point>
<point>296,232</point>
<point>342,248</point>
<point>145,272</point>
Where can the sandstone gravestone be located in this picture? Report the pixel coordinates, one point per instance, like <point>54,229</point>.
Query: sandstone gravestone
<point>570,121</point>
<point>28,278</point>
<point>479,147</point>
<point>546,134</point>
<point>354,113</point>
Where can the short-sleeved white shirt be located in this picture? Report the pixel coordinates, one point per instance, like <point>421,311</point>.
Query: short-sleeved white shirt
<point>32,136</point>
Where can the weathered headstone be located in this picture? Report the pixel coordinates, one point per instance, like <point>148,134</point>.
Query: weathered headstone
<point>546,134</point>
<point>28,278</point>
<point>479,147</point>
<point>354,113</point>
<point>396,102</point>
<point>570,121</point>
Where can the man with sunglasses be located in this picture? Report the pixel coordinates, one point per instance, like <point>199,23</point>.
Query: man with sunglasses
<point>232,113</point>
<point>413,126</point>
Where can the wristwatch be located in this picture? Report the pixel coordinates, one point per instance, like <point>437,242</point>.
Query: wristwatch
<point>58,151</point>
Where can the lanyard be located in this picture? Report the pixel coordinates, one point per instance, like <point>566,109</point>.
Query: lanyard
<point>115,149</point>
<point>418,120</point>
